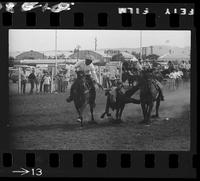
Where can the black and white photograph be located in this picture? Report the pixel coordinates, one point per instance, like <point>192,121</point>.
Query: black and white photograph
<point>99,89</point>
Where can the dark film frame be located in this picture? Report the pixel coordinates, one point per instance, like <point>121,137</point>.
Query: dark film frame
<point>98,163</point>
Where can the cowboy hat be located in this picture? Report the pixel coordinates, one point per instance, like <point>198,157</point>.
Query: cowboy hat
<point>89,57</point>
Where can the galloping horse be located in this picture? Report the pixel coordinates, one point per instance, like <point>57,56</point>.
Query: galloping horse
<point>82,95</point>
<point>148,95</point>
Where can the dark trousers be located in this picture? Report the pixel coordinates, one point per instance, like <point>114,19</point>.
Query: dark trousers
<point>32,87</point>
<point>59,85</point>
<point>46,88</point>
<point>23,86</point>
<point>41,84</point>
<point>106,82</point>
<point>112,82</point>
<point>65,84</point>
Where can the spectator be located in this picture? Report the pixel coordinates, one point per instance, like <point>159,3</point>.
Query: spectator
<point>171,66</point>
<point>47,82</point>
<point>59,79</point>
<point>62,82</point>
<point>138,66</point>
<point>37,82</point>
<point>147,65</point>
<point>106,82</point>
<point>112,78</point>
<point>66,80</point>
<point>32,79</point>
<point>187,66</point>
<point>23,81</point>
<point>42,80</point>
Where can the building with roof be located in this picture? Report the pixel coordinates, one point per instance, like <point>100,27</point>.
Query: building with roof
<point>30,55</point>
<point>60,54</point>
<point>174,57</point>
<point>99,56</point>
<point>124,56</point>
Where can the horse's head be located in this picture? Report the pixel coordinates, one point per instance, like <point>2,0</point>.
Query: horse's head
<point>146,74</point>
<point>144,79</point>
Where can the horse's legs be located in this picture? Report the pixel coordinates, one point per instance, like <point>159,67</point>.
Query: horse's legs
<point>102,116</point>
<point>149,109</point>
<point>157,107</point>
<point>117,113</point>
<point>107,108</point>
<point>121,111</point>
<point>81,109</point>
<point>91,111</point>
<point>80,117</point>
<point>144,110</point>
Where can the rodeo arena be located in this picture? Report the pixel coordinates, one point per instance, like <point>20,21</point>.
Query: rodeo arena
<point>131,100</point>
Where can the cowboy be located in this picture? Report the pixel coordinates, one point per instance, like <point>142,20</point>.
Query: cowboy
<point>32,79</point>
<point>91,77</point>
<point>148,68</point>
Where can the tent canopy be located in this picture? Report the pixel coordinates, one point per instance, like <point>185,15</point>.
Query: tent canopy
<point>174,57</point>
<point>124,56</point>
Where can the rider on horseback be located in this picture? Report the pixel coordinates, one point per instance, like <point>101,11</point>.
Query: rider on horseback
<point>87,67</point>
<point>147,67</point>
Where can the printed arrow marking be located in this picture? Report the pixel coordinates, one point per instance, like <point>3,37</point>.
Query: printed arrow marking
<point>23,171</point>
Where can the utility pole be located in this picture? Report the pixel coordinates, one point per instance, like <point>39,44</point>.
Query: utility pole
<point>141,45</point>
<point>151,47</point>
<point>77,49</point>
<point>95,43</point>
<point>56,51</point>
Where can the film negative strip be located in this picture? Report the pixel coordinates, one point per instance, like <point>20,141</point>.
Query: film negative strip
<point>80,85</point>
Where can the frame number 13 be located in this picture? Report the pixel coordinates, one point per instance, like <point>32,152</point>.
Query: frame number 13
<point>36,171</point>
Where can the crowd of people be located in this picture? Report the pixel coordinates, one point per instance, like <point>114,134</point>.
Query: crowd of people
<point>132,67</point>
<point>41,82</point>
<point>154,64</point>
<point>109,78</point>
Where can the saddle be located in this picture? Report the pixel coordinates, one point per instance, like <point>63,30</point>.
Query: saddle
<point>154,82</point>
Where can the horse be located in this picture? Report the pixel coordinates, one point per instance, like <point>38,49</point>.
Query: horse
<point>121,100</point>
<point>82,96</point>
<point>149,94</point>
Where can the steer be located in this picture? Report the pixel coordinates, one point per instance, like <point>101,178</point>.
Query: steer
<point>117,102</point>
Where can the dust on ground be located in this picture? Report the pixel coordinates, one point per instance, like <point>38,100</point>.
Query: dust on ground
<point>47,122</point>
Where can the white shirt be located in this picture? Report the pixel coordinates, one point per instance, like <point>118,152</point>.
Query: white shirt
<point>87,69</point>
<point>138,66</point>
<point>47,80</point>
<point>23,76</point>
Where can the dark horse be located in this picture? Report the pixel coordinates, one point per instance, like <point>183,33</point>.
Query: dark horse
<point>149,94</point>
<point>121,100</point>
<point>82,95</point>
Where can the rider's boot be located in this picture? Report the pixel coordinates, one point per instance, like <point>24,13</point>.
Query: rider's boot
<point>70,98</point>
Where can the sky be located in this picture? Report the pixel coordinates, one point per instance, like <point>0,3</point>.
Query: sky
<point>44,40</point>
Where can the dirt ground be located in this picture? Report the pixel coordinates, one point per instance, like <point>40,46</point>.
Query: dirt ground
<point>47,121</point>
